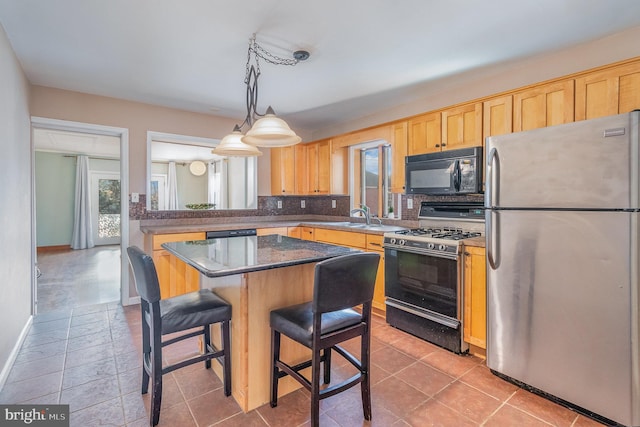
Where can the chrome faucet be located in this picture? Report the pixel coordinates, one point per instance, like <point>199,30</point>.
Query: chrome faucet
<point>365,212</point>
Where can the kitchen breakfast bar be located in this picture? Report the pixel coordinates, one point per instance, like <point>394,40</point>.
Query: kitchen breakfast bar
<point>256,274</point>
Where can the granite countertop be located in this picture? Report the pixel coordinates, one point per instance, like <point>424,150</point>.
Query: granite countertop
<point>475,241</point>
<point>216,226</point>
<point>236,255</point>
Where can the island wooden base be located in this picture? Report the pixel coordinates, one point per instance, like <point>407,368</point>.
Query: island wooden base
<point>253,296</point>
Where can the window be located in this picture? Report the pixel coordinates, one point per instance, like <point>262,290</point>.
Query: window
<point>371,177</point>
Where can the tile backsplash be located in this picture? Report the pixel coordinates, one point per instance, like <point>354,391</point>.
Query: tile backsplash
<point>291,205</point>
<point>267,206</point>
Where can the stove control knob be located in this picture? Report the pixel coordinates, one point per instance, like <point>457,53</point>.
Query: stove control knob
<point>401,242</point>
<point>392,241</point>
<point>442,247</point>
<point>430,245</point>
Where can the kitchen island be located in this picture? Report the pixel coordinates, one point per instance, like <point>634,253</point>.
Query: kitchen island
<point>256,274</point>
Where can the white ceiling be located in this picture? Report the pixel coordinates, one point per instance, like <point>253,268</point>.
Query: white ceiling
<point>366,55</point>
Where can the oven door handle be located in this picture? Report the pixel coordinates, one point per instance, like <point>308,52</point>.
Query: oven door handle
<point>425,252</point>
<point>426,314</point>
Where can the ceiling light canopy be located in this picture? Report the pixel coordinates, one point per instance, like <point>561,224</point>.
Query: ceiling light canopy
<point>266,130</point>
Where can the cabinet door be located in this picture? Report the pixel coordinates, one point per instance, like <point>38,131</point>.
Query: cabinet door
<point>342,238</point>
<point>308,233</point>
<point>294,232</point>
<point>607,92</point>
<point>324,167</point>
<point>283,231</point>
<point>378,291</point>
<point>301,181</point>
<point>497,117</point>
<point>544,105</point>
<point>312,167</point>
<point>475,297</point>
<point>374,244</point>
<point>398,153</point>
<point>462,127</point>
<point>175,276</point>
<point>425,134</point>
<point>282,170</point>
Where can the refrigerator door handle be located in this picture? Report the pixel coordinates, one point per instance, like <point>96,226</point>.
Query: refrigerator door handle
<point>493,235</point>
<point>493,178</point>
<point>493,191</point>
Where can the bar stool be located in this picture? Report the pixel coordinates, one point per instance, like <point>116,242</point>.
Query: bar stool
<point>340,284</point>
<point>186,312</point>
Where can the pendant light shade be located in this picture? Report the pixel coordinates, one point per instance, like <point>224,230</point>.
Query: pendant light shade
<point>232,146</point>
<point>271,131</point>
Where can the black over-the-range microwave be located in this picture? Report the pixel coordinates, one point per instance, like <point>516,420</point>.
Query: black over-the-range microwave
<point>445,173</point>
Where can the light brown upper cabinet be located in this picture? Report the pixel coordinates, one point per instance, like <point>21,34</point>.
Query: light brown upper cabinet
<point>398,153</point>
<point>424,133</point>
<point>497,117</point>
<point>319,167</point>
<point>282,171</point>
<point>607,92</point>
<point>544,105</point>
<point>462,126</point>
<point>301,184</point>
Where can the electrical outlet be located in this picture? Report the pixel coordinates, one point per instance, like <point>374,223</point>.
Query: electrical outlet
<point>333,204</point>
<point>409,203</point>
<point>302,204</point>
<point>279,204</point>
<point>135,198</point>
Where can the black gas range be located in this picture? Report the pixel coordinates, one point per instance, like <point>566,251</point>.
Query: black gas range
<point>423,272</point>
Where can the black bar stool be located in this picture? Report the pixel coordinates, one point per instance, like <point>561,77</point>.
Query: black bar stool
<point>340,284</point>
<point>198,309</point>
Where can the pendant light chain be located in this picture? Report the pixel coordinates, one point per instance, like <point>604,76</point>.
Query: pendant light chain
<point>266,130</point>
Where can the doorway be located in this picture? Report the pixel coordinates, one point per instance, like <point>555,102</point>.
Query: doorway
<point>83,130</point>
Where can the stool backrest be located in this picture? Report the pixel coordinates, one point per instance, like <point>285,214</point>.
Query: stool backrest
<point>145,275</point>
<point>345,281</point>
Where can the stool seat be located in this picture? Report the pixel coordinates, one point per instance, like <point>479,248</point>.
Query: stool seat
<point>340,284</point>
<point>191,310</point>
<point>296,321</point>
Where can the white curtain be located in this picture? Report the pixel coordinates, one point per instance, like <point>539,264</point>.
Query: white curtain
<point>82,237</point>
<point>217,183</point>
<point>172,188</point>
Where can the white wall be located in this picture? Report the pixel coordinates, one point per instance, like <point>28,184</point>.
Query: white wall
<point>15,203</point>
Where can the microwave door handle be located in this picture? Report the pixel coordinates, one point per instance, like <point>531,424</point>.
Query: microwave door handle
<point>456,175</point>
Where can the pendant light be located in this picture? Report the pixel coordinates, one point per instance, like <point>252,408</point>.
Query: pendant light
<point>266,130</point>
<point>232,146</point>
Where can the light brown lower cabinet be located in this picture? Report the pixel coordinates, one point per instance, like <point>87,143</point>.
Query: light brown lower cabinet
<point>475,299</point>
<point>175,276</point>
<point>369,242</point>
<point>283,231</point>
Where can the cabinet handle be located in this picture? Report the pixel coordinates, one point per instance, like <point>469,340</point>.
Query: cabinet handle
<point>467,254</point>
<point>437,145</point>
<point>375,244</point>
<point>444,145</point>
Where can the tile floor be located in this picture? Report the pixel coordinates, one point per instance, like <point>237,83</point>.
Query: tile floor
<point>89,357</point>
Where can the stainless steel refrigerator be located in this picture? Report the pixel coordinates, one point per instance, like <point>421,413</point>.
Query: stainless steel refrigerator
<point>562,250</point>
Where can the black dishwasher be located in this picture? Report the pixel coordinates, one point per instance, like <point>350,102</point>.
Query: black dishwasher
<point>221,234</point>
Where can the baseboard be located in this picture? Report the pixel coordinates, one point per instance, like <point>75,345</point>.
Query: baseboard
<point>58,248</point>
<point>133,300</point>
<point>6,369</point>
